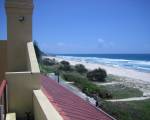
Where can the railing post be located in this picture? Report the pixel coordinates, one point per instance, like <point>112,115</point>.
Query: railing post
<point>3,98</point>
<point>5,101</point>
<point>7,98</point>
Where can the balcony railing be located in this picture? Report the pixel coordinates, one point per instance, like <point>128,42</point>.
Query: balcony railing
<point>3,99</point>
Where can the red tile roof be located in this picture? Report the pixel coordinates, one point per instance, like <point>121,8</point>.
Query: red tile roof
<point>69,105</point>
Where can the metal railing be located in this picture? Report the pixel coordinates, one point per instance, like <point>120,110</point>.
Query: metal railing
<point>3,100</point>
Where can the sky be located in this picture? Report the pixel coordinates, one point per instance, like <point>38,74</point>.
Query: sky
<point>89,26</point>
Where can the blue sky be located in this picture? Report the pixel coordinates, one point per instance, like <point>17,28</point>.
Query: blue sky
<point>89,26</point>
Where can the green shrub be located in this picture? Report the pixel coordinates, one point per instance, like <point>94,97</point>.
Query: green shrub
<point>97,75</point>
<point>47,69</point>
<point>49,62</point>
<point>80,68</point>
<point>37,51</point>
<point>85,85</point>
<point>65,66</point>
<point>65,62</point>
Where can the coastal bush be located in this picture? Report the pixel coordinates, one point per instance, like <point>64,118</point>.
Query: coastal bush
<point>80,68</point>
<point>65,66</point>
<point>97,75</point>
<point>37,51</point>
<point>65,62</point>
<point>85,85</point>
<point>49,62</point>
<point>47,69</point>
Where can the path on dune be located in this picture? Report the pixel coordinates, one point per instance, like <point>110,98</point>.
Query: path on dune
<point>91,100</point>
<point>129,99</point>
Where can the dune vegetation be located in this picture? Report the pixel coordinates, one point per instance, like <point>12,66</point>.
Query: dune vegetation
<point>85,80</point>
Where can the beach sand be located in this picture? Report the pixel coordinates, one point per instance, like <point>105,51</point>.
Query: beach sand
<point>128,77</point>
<point>118,71</point>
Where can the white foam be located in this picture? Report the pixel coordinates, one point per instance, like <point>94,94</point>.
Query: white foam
<point>130,64</point>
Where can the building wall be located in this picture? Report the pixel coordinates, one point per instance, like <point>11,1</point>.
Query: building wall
<point>23,74</point>
<point>22,84</point>
<point>20,92</point>
<point>19,32</point>
<point>2,58</point>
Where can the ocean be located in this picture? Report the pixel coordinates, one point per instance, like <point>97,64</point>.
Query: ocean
<point>139,62</point>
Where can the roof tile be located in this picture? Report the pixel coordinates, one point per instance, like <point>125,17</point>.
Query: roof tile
<point>69,105</point>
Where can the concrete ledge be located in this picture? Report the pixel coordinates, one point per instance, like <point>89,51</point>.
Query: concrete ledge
<point>43,109</point>
<point>15,4</point>
<point>25,72</point>
<point>33,63</point>
<point>11,116</point>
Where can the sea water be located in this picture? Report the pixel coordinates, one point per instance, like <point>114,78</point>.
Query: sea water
<point>139,62</point>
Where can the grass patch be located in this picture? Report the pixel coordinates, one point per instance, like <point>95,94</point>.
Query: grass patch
<point>112,78</point>
<point>46,69</point>
<point>120,91</point>
<point>85,85</point>
<point>135,110</point>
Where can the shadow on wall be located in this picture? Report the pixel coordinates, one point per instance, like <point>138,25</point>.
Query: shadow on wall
<point>2,59</point>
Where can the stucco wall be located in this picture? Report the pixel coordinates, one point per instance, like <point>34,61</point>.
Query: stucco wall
<point>22,84</point>
<point>2,59</point>
<point>18,33</point>
<point>20,92</point>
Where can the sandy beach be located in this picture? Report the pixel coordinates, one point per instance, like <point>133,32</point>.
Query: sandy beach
<point>122,72</point>
<point>127,77</point>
